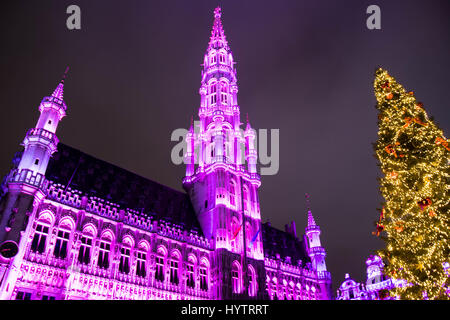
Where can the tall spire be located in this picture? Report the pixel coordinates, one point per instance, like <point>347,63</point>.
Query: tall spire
<point>218,39</point>
<point>59,91</point>
<point>311,221</point>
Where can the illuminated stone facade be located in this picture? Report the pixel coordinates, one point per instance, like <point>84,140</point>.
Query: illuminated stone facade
<point>76,227</point>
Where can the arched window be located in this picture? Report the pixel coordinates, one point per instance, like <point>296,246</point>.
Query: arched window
<point>174,262</point>
<point>213,93</point>
<point>124,265</point>
<point>224,92</point>
<point>249,233</point>
<point>246,198</point>
<point>46,219</point>
<point>252,283</point>
<point>40,238</point>
<point>125,254</point>
<point>141,259</point>
<point>159,260</point>
<point>222,58</point>
<point>62,237</point>
<point>213,58</point>
<point>84,254</point>
<point>190,266</point>
<point>236,277</point>
<point>203,274</point>
<point>232,192</point>
<point>104,250</point>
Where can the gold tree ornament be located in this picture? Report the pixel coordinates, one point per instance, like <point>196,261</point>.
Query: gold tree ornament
<point>414,157</point>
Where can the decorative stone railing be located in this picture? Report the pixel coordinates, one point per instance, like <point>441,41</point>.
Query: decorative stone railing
<point>316,250</point>
<point>29,177</point>
<point>55,100</point>
<point>42,134</point>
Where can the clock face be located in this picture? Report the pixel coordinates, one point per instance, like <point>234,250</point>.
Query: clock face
<point>8,249</point>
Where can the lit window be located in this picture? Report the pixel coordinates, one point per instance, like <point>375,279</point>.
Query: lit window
<point>252,285</point>
<point>103,254</point>
<point>224,93</point>
<point>124,265</point>
<point>23,295</point>
<point>203,278</point>
<point>213,58</point>
<point>232,193</point>
<point>84,255</point>
<point>140,265</point>
<point>61,244</point>
<point>39,239</point>
<point>222,58</point>
<point>246,198</point>
<point>159,275</point>
<point>190,282</point>
<point>235,278</point>
<point>174,271</point>
<point>213,93</point>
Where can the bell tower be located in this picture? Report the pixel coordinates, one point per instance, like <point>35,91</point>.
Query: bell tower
<point>221,177</point>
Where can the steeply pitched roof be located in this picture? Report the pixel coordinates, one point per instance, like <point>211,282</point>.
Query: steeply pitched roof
<point>283,243</point>
<point>101,179</point>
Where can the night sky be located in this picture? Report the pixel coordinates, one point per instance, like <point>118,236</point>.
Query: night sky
<point>304,67</point>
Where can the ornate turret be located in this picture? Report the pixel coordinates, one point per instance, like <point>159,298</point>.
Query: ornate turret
<point>315,250</point>
<point>26,184</point>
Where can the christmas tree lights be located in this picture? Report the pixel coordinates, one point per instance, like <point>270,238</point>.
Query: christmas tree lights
<point>414,156</point>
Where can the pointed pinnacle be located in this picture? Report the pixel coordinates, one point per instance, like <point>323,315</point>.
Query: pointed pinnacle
<point>59,91</point>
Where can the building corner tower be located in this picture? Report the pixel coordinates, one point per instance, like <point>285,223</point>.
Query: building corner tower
<point>24,188</point>
<point>317,255</point>
<point>223,190</point>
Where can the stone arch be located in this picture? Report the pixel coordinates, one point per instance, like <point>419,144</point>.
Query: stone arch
<point>67,222</point>
<point>144,245</point>
<point>89,229</point>
<point>47,216</point>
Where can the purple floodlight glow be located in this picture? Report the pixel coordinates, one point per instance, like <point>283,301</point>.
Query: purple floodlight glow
<point>74,243</point>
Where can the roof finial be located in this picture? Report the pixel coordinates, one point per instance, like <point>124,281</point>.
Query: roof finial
<point>217,13</point>
<point>65,74</point>
<point>308,204</point>
<point>59,91</point>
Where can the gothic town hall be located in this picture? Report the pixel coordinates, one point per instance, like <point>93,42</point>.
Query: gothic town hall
<point>76,227</point>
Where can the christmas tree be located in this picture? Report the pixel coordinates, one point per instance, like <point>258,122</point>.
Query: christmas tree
<point>414,156</point>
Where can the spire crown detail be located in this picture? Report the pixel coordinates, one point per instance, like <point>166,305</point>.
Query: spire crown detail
<point>59,91</point>
<point>218,39</point>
